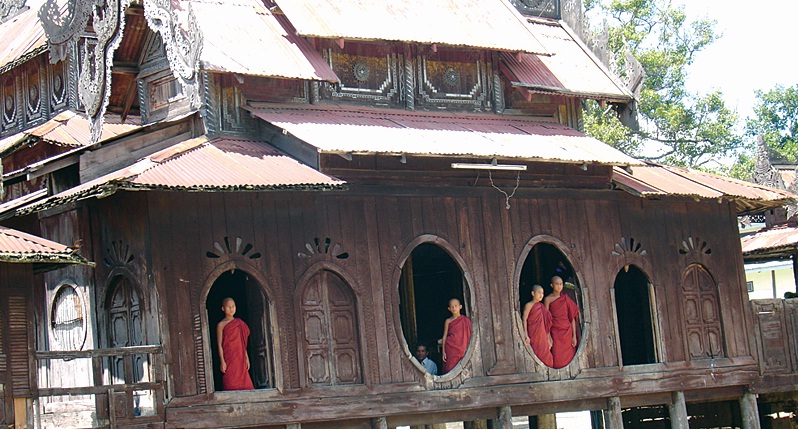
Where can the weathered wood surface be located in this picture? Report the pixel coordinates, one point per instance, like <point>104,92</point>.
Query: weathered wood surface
<point>171,235</point>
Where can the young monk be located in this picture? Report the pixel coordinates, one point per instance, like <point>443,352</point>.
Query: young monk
<point>456,335</point>
<point>563,324</point>
<point>231,335</point>
<point>538,326</point>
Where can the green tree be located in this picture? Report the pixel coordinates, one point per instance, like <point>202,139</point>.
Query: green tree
<point>776,119</point>
<point>687,129</point>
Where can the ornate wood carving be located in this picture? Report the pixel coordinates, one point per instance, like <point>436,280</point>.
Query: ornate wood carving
<point>695,248</point>
<point>498,94</point>
<point>367,78</point>
<point>94,53</point>
<point>229,249</point>
<point>59,82</point>
<point>323,247</point>
<point>125,328</point>
<point>118,255</point>
<point>628,248</point>
<point>544,8</point>
<point>182,50</point>
<point>11,8</point>
<point>331,348</point>
<point>10,116</point>
<point>442,83</point>
<point>409,84</point>
<point>703,331</point>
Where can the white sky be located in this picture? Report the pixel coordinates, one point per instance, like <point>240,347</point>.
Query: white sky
<point>757,51</point>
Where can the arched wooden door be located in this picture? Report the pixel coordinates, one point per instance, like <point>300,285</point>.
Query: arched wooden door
<point>125,327</point>
<point>329,322</point>
<point>702,314</point>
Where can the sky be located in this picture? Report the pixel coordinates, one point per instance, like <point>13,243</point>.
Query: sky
<point>757,50</point>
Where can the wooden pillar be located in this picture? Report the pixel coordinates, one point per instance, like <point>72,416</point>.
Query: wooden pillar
<point>613,417</point>
<point>504,419</point>
<point>795,268</point>
<point>476,424</point>
<point>21,408</point>
<point>436,426</point>
<point>379,423</point>
<point>293,426</point>
<point>544,421</point>
<point>749,411</point>
<point>678,411</point>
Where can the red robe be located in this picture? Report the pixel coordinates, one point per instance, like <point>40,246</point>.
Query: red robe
<point>234,345</point>
<point>457,339</point>
<point>538,326</point>
<point>563,311</point>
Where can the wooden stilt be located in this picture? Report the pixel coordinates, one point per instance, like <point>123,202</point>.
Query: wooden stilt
<point>293,426</point>
<point>476,424</point>
<point>678,411</point>
<point>613,417</point>
<point>749,411</point>
<point>547,421</point>
<point>379,423</point>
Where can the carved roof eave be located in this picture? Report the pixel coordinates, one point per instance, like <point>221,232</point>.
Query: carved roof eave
<point>64,33</point>
<point>767,175</point>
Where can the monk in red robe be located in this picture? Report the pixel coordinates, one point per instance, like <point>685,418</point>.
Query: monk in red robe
<point>232,335</point>
<point>563,324</point>
<point>456,335</point>
<point>538,326</point>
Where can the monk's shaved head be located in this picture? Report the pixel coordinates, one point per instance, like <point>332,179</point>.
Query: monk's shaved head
<point>555,278</point>
<point>537,287</point>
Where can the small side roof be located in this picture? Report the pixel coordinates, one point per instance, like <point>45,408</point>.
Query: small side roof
<point>572,70</point>
<point>362,131</point>
<point>200,164</point>
<point>773,242</point>
<point>491,24</point>
<point>243,36</point>
<point>657,181</point>
<point>23,38</point>
<point>20,247</point>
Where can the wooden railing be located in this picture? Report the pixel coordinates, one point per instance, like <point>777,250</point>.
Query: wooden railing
<point>776,327</point>
<point>114,392</point>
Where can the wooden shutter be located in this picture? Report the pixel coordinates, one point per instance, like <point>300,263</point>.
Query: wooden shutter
<point>702,317</point>
<point>19,343</point>
<point>331,345</point>
<point>259,339</point>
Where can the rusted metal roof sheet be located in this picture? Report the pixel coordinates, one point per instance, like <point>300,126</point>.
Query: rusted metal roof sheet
<point>655,181</point>
<point>243,36</point>
<point>334,130</point>
<point>221,164</point>
<point>23,38</point>
<point>573,70</point>
<point>491,24</point>
<point>20,247</point>
<point>771,240</point>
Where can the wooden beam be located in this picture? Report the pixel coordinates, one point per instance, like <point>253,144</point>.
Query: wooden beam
<point>130,97</point>
<point>678,411</point>
<point>613,415</point>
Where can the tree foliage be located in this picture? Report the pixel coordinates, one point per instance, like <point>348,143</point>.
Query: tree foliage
<point>684,128</point>
<point>776,119</point>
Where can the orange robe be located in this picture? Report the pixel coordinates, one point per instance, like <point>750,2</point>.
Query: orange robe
<point>538,326</point>
<point>563,311</point>
<point>234,345</point>
<point>457,339</point>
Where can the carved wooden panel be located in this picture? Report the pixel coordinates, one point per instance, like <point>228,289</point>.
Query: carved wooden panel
<point>59,80</point>
<point>125,328</point>
<point>372,78</point>
<point>450,80</point>
<point>331,346</point>
<point>701,314</point>
<point>770,323</point>
<point>10,116</point>
<point>34,93</point>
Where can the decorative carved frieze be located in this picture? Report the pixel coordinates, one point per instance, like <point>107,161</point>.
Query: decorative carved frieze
<point>695,248</point>
<point>11,8</point>
<point>444,83</point>
<point>323,247</point>
<point>366,78</point>
<point>94,53</point>
<point>182,50</point>
<point>118,254</point>
<point>628,248</point>
<point>233,249</point>
<point>542,8</point>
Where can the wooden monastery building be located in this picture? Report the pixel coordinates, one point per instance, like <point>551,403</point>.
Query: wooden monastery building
<point>341,169</point>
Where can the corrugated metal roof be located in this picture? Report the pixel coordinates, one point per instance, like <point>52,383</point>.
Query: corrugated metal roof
<point>22,36</point>
<point>20,247</point>
<point>491,24</point>
<point>72,129</point>
<point>654,180</point>
<point>244,37</point>
<point>221,164</point>
<point>572,70</point>
<point>768,240</point>
<point>384,132</point>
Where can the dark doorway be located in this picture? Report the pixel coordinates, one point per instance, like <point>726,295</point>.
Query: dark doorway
<point>722,414</point>
<point>647,417</point>
<point>430,277</point>
<point>633,309</point>
<point>253,309</point>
